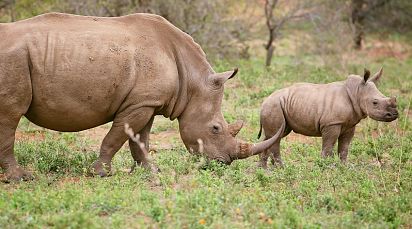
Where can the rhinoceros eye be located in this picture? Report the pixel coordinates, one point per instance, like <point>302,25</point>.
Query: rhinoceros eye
<point>216,129</point>
<point>375,102</point>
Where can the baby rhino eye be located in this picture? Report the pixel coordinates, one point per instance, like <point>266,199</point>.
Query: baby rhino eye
<point>375,102</point>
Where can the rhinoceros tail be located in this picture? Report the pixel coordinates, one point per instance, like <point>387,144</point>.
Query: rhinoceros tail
<point>260,131</point>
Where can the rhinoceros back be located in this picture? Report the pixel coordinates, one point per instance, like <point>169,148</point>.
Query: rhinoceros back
<point>83,68</point>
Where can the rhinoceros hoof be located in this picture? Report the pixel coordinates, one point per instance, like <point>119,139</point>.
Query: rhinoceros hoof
<point>17,174</point>
<point>100,169</point>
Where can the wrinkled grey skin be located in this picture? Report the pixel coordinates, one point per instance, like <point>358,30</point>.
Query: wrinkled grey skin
<point>330,111</point>
<point>71,73</point>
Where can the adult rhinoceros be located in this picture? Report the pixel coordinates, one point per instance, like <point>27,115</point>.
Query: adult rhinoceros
<point>71,73</point>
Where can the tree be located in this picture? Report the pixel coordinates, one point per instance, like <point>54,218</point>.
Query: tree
<point>360,9</point>
<point>8,6</point>
<point>275,22</point>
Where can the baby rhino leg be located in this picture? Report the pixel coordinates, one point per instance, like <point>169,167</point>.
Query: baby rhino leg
<point>343,143</point>
<point>275,154</point>
<point>271,122</point>
<point>263,159</point>
<point>329,136</point>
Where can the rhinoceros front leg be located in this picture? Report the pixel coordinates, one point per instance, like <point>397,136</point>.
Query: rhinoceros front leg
<point>114,140</point>
<point>140,157</point>
<point>330,135</point>
<point>343,144</point>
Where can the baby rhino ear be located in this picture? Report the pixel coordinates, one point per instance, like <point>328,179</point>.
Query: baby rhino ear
<point>218,79</point>
<point>375,78</point>
<point>366,75</point>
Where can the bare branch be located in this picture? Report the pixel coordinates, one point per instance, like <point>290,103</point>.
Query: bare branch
<point>274,24</point>
<point>135,138</point>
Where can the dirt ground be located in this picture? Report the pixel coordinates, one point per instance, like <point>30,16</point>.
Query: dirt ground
<point>166,139</point>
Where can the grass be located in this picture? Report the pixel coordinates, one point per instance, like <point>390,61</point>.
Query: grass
<point>373,190</point>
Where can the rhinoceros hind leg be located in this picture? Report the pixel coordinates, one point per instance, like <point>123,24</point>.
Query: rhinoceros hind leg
<point>330,135</point>
<point>7,160</point>
<point>343,144</point>
<point>15,99</point>
<point>114,140</point>
<point>18,174</point>
<point>140,157</point>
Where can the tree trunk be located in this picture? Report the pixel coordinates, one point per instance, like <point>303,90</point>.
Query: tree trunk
<point>357,16</point>
<point>8,7</point>
<point>269,54</point>
<point>144,6</point>
<point>358,36</point>
<point>270,48</point>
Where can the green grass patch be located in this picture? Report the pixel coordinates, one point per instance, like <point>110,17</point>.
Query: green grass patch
<point>373,190</point>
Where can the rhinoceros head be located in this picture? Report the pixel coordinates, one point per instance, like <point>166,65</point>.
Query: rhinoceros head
<point>373,103</point>
<point>203,128</point>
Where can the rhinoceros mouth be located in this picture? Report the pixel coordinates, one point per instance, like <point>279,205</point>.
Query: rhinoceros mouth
<point>386,117</point>
<point>390,116</point>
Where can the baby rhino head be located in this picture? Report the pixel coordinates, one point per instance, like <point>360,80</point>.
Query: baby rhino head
<point>373,103</point>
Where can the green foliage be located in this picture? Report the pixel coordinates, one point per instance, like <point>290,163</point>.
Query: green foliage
<point>372,190</point>
<point>394,15</point>
<point>56,157</point>
<point>210,23</point>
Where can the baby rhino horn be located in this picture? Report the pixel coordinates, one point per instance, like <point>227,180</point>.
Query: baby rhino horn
<point>393,100</point>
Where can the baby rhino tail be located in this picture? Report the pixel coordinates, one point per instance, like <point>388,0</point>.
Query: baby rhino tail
<point>281,130</point>
<point>260,131</point>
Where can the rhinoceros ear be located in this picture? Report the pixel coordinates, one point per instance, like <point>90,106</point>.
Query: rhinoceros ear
<point>218,79</point>
<point>366,75</point>
<point>375,78</point>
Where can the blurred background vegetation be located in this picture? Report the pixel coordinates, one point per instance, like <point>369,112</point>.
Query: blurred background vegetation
<point>233,29</point>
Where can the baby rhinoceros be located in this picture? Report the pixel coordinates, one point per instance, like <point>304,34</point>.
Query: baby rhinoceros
<point>330,111</point>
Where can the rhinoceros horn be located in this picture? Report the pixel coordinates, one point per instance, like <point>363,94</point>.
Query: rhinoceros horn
<point>246,150</point>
